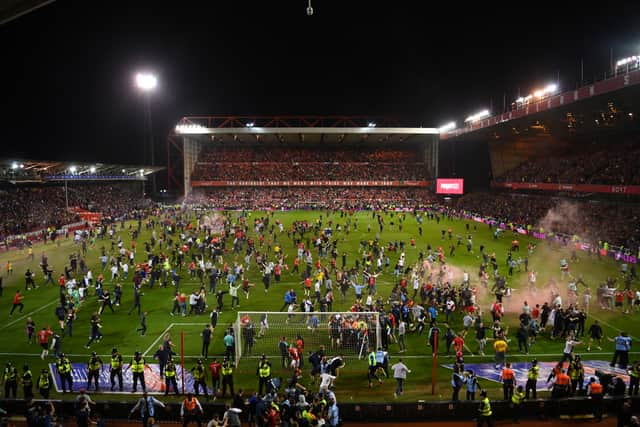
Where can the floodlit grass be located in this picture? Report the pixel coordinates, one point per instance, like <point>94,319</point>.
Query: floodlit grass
<point>119,328</point>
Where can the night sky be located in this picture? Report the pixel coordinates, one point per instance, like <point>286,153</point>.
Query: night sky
<point>67,68</point>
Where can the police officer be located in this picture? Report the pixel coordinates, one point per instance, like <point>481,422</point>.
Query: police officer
<point>373,367</point>
<point>170,377</point>
<point>264,374</point>
<point>576,374</point>
<point>200,379</point>
<point>44,383</point>
<point>516,403</point>
<point>484,411</point>
<point>10,379</point>
<point>27,382</point>
<point>137,368</point>
<point>116,368</point>
<point>64,370</point>
<point>227,377</point>
<point>93,369</point>
<point>532,379</point>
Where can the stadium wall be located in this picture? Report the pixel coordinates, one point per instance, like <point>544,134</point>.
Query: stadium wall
<point>358,412</point>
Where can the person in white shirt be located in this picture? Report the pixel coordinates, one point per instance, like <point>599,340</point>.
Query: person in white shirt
<point>326,380</point>
<point>400,372</point>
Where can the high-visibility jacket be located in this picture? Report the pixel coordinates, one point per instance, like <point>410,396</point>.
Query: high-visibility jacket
<point>116,362</point>
<point>533,373</point>
<point>485,409</point>
<point>508,375</point>
<point>596,389</point>
<point>137,366</point>
<point>576,371</point>
<point>562,379</point>
<point>198,373</point>
<point>189,405</point>
<point>264,370</point>
<point>518,397</point>
<point>635,371</point>
<point>227,369</point>
<point>64,366</point>
<point>27,378</point>
<point>95,363</point>
<point>170,370</point>
<point>43,381</point>
<point>372,359</point>
<point>10,374</point>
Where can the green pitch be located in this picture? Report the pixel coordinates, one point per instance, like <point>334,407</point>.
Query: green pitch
<point>119,328</point>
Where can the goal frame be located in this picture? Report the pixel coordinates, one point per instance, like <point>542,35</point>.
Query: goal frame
<point>237,328</point>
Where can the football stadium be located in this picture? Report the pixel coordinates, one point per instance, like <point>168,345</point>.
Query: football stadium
<point>336,269</point>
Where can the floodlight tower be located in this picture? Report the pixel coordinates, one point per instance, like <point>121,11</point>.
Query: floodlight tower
<point>146,83</point>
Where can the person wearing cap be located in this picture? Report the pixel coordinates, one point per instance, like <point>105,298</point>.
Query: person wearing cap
<point>10,380</point>
<point>532,379</point>
<point>576,373</point>
<point>227,377</point>
<point>485,415</point>
<point>170,377</point>
<point>516,403</point>
<point>27,382</point>
<point>63,366</point>
<point>137,368</point>
<point>191,410</point>
<point>200,379</point>
<point>264,374</point>
<point>116,369</point>
<point>147,405</point>
<point>44,383</point>
<point>93,370</point>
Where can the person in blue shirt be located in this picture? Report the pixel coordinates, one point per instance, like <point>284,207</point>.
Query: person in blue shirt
<point>433,314</point>
<point>623,345</point>
<point>471,381</point>
<point>146,404</point>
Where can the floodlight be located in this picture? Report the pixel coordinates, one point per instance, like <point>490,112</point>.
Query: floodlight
<point>372,124</point>
<point>250,124</point>
<point>21,165</point>
<point>73,169</point>
<point>14,165</point>
<point>92,169</point>
<point>123,171</point>
<point>445,128</point>
<point>477,116</point>
<point>146,81</point>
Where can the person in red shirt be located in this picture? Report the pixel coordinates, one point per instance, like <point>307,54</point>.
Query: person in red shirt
<point>214,368</point>
<point>300,347</point>
<point>294,356</point>
<point>458,343</point>
<point>43,340</point>
<point>17,302</point>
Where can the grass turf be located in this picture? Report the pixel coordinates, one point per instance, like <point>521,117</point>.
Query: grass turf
<point>119,329</point>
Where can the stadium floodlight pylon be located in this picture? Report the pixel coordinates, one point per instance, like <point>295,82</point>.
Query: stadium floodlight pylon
<point>347,333</point>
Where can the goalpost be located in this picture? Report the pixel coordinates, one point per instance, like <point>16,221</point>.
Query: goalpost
<point>347,333</point>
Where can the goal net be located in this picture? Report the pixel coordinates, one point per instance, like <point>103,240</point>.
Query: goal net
<point>258,332</point>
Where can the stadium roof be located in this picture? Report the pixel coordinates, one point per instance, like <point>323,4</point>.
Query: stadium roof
<point>17,171</point>
<point>13,9</point>
<point>303,129</point>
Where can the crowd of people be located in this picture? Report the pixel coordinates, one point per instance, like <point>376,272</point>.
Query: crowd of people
<point>308,171</point>
<point>29,208</point>
<point>310,197</point>
<point>615,164</point>
<point>593,221</point>
<point>280,164</point>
